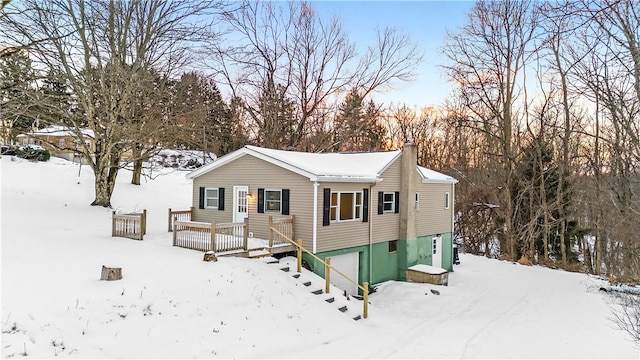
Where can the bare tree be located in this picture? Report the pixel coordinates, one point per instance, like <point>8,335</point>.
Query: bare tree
<point>97,45</point>
<point>487,59</point>
<point>289,51</point>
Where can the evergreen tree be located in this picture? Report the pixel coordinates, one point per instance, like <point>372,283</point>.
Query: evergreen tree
<point>356,127</point>
<point>17,95</point>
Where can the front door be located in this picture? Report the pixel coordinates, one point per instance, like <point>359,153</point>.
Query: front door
<point>436,251</point>
<point>240,203</point>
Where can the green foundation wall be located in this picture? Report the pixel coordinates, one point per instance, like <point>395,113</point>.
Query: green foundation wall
<point>389,265</point>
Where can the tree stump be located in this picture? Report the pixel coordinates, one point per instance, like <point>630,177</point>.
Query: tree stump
<point>210,256</point>
<point>111,273</point>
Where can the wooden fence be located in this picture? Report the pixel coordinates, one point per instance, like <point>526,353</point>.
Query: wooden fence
<point>280,226</point>
<point>132,226</point>
<point>210,236</point>
<point>182,215</point>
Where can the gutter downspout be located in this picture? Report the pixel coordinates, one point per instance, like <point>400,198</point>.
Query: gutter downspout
<point>453,219</point>
<point>314,236</point>
<point>370,236</point>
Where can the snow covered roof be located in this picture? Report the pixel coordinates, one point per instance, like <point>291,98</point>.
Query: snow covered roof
<point>431,176</point>
<point>58,130</point>
<point>328,167</point>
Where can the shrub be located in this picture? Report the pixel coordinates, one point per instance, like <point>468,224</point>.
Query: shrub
<point>34,152</point>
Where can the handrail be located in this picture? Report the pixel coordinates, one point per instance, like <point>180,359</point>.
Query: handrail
<point>365,289</point>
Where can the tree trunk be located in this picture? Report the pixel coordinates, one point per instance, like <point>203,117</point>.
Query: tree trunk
<point>109,273</point>
<point>137,164</point>
<point>105,180</point>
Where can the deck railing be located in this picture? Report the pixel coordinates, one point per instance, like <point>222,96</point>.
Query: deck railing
<point>327,271</point>
<point>132,226</point>
<point>193,235</point>
<point>280,226</point>
<point>181,215</point>
<point>210,236</point>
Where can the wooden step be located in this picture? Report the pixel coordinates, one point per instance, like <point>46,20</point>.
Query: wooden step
<point>317,292</point>
<point>330,300</point>
<point>296,276</point>
<point>270,260</point>
<point>285,269</point>
<point>259,253</point>
<point>307,283</point>
<point>357,318</point>
<point>343,308</point>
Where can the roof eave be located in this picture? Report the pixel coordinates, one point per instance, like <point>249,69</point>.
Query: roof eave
<point>343,179</point>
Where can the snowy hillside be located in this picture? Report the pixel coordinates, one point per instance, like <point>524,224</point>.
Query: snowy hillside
<point>171,304</point>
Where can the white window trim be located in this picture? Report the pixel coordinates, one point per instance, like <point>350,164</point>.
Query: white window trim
<point>417,201</point>
<point>393,202</point>
<point>217,197</point>
<point>447,200</point>
<point>266,208</point>
<point>353,209</point>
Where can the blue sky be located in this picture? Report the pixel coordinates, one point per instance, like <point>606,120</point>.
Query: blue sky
<point>426,22</point>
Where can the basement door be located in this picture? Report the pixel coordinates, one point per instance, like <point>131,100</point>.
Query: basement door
<point>348,264</point>
<point>240,204</point>
<point>436,251</point>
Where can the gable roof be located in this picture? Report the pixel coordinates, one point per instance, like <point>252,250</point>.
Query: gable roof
<point>431,176</point>
<point>58,130</point>
<point>327,167</point>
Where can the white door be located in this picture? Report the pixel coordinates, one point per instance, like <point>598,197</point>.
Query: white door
<point>436,251</point>
<point>347,264</point>
<point>240,204</point>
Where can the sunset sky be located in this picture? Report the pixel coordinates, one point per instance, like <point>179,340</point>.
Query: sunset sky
<point>425,21</point>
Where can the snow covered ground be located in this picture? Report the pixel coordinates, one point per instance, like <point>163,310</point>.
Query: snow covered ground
<point>171,304</point>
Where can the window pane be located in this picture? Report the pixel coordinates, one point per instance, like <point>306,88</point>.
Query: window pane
<point>346,206</point>
<point>272,195</point>
<point>333,213</point>
<point>211,198</point>
<point>334,199</point>
<point>388,197</point>
<point>212,202</point>
<point>272,200</point>
<point>358,198</point>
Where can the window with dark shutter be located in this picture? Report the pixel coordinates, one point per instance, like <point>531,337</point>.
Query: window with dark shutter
<point>221,199</point>
<point>397,202</point>
<point>201,201</point>
<point>261,200</point>
<point>326,207</point>
<point>380,202</point>
<point>365,205</point>
<point>285,202</point>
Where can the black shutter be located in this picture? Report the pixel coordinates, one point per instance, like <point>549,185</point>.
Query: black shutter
<point>221,199</point>
<point>365,205</point>
<point>285,202</point>
<point>326,207</point>
<point>261,200</point>
<point>380,202</point>
<point>397,202</point>
<point>201,202</point>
